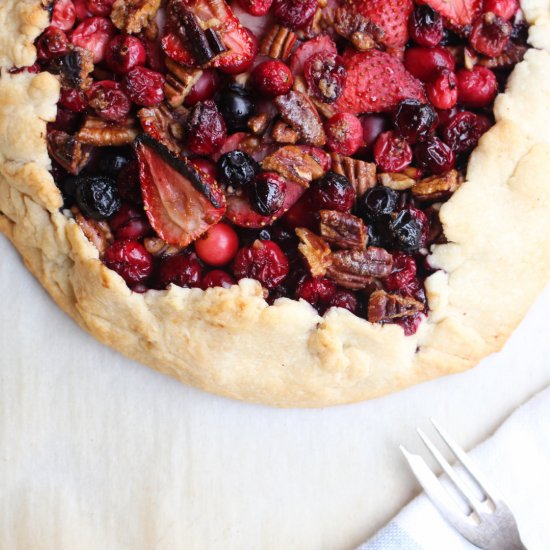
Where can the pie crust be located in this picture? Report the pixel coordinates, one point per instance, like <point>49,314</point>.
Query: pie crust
<point>229,341</point>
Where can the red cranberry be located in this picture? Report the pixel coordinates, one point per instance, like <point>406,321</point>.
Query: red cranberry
<point>206,131</point>
<point>272,78</point>
<point>392,153</point>
<point>445,115</point>
<point>490,34</point>
<point>183,270</point>
<point>463,131</point>
<point>410,323</point>
<point>124,52</point>
<point>344,134</point>
<point>425,63</point>
<point>256,7</point>
<point>63,15</point>
<point>333,192</point>
<point>302,214</point>
<point>218,245</point>
<point>414,120</point>
<point>478,87</point>
<point>426,26</point>
<point>144,86</point>
<point>263,261</point>
<point>267,193</point>
<point>373,126</point>
<point>139,288</point>
<point>205,87</point>
<point>317,291</point>
<point>130,223</point>
<point>326,75</point>
<point>443,90</point>
<point>435,156</point>
<point>154,55</point>
<point>503,8</point>
<point>344,299</point>
<point>130,260</point>
<point>94,35</point>
<point>81,9</point>
<point>294,14</point>
<point>100,7</point>
<point>215,278</point>
<point>73,99</point>
<point>403,271</point>
<point>66,121</point>
<point>53,42</point>
<point>109,101</point>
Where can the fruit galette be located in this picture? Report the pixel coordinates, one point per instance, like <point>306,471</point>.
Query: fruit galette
<point>293,202</point>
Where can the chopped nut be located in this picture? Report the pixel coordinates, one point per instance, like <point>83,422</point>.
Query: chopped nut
<point>412,172</point>
<point>179,81</point>
<point>159,248</point>
<point>470,58</point>
<point>385,307</point>
<point>278,42</point>
<point>396,181</point>
<point>292,163</point>
<point>96,131</point>
<point>512,54</point>
<point>362,33</point>
<point>315,251</point>
<point>150,32</point>
<point>97,232</point>
<point>343,230</point>
<point>325,109</point>
<point>355,269</point>
<point>132,16</point>
<point>436,188</point>
<point>164,124</point>
<point>361,174</point>
<point>258,124</point>
<point>297,110</point>
<point>74,68</point>
<point>68,151</point>
<point>283,133</point>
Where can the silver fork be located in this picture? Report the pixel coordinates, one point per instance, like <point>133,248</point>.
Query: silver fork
<point>489,523</point>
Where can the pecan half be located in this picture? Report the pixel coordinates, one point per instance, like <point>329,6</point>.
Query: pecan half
<point>97,232</point>
<point>325,109</point>
<point>68,151</point>
<point>278,42</point>
<point>258,124</point>
<point>436,188</point>
<point>163,124</point>
<point>343,230</point>
<point>396,181</point>
<point>361,32</point>
<point>361,174</point>
<point>74,68</point>
<point>159,248</point>
<point>385,307</point>
<point>283,133</point>
<point>297,110</point>
<point>315,251</point>
<point>179,81</point>
<point>96,131</point>
<point>355,269</point>
<point>292,163</point>
<point>132,16</point>
<point>512,54</point>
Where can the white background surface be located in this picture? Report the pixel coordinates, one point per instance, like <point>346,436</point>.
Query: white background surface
<point>99,452</point>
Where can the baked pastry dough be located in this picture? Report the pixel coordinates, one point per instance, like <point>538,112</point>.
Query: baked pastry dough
<point>230,341</point>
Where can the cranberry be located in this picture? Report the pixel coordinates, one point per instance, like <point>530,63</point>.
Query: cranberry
<point>94,34</point>
<point>73,99</point>
<point>130,260</point>
<point>392,153</point>
<point>410,323</point>
<point>66,121</point>
<point>63,15</point>
<point>53,42</point>
<point>443,90</point>
<point>478,87</point>
<point>317,291</point>
<point>333,192</point>
<point>414,120</point>
<point>215,278</point>
<point>100,7</point>
<point>130,223</point>
<point>272,78</point>
<point>294,14</point>
<point>302,214</point>
<point>154,55</point>
<point>490,34</point>
<point>463,131</point>
<point>139,288</point>
<point>218,245</point>
<point>445,115</point>
<point>144,86</point>
<point>373,126</point>
<point>109,101</point>
<point>425,63</point>
<point>124,52</point>
<point>128,183</point>
<point>205,87</point>
<point>426,26</point>
<point>263,261</point>
<point>326,75</point>
<point>81,9</point>
<point>435,156</point>
<point>267,193</point>
<point>256,7</point>
<point>206,131</point>
<point>403,271</point>
<point>344,299</point>
<point>344,133</point>
<point>182,270</point>
<point>503,8</point>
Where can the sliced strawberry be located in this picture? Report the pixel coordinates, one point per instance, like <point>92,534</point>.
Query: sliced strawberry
<point>256,7</point>
<point>392,16</point>
<point>377,82</point>
<point>175,48</point>
<point>241,213</point>
<point>459,12</point>
<point>242,48</point>
<point>181,202</point>
<point>321,43</point>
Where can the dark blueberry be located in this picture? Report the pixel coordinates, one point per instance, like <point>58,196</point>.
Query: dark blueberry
<point>406,231</point>
<point>112,162</point>
<point>378,201</point>
<point>68,187</point>
<point>236,107</point>
<point>267,193</point>
<point>237,169</point>
<point>414,120</point>
<point>97,197</point>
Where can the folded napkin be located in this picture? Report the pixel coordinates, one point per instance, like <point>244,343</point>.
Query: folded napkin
<point>515,460</point>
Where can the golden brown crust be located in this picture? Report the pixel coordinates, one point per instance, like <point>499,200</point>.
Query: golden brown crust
<point>496,263</point>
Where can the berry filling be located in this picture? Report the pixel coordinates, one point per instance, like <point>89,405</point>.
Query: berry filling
<point>307,145</point>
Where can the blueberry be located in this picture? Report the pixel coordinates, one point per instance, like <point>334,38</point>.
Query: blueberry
<point>237,169</point>
<point>236,107</point>
<point>97,197</point>
<point>267,193</point>
<point>406,231</point>
<point>112,162</point>
<point>377,202</point>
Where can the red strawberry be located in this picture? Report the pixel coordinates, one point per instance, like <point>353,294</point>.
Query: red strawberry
<point>256,7</point>
<point>377,82</point>
<point>241,213</point>
<point>459,12</point>
<point>392,16</point>
<point>181,202</point>
<point>321,43</point>
<point>242,48</point>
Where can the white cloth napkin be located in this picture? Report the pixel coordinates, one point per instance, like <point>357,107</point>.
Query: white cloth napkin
<point>516,460</point>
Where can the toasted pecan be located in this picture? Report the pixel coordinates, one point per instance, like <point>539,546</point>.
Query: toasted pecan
<point>396,181</point>
<point>68,151</point>
<point>436,188</point>
<point>315,250</point>
<point>159,248</point>
<point>384,306</point>
<point>292,163</point>
<point>361,174</point>
<point>343,230</point>
<point>258,124</point>
<point>97,232</point>
<point>283,133</point>
<point>132,16</point>
<point>164,124</point>
<point>325,109</point>
<point>278,42</point>
<point>361,32</point>
<point>179,81</point>
<point>512,54</point>
<point>100,133</point>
